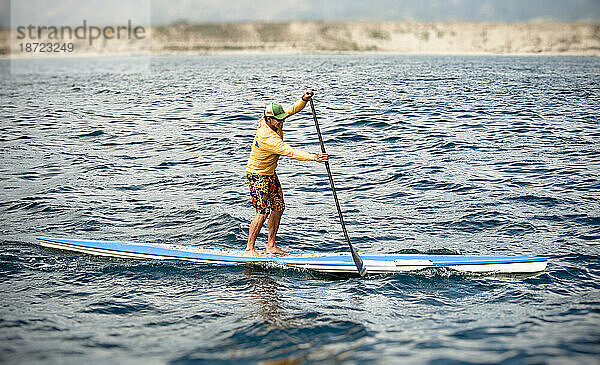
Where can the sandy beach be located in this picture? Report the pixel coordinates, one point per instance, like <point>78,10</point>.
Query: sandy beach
<point>543,38</point>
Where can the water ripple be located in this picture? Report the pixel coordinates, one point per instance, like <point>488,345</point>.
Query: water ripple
<point>439,155</point>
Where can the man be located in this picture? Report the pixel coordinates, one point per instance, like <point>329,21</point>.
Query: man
<point>265,189</point>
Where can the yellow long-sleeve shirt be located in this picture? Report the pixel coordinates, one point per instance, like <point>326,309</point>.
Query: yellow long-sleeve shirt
<point>268,145</point>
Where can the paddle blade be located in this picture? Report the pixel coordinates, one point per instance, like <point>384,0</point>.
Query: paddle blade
<point>360,266</point>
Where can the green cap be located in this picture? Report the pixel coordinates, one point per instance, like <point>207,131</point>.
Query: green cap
<point>276,111</point>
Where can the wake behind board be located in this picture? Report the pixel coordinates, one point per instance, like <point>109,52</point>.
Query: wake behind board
<point>323,262</point>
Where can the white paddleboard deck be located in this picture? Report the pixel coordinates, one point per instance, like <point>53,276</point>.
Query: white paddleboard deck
<point>324,262</point>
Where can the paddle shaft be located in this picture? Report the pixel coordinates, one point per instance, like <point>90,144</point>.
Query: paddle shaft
<point>357,260</point>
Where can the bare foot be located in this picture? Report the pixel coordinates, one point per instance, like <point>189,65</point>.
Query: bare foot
<point>252,253</point>
<point>276,251</point>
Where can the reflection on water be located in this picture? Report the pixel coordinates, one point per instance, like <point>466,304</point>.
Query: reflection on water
<point>264,292</point>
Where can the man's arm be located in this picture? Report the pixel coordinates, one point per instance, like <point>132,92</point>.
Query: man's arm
<point>300,104</point>
<point>275,144</point>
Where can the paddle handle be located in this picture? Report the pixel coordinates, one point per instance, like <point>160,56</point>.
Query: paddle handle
<point>362,270</point>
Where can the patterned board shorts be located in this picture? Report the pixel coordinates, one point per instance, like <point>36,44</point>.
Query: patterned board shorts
<point>266,193</point>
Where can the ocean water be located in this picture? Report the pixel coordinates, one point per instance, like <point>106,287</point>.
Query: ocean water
<point>472,155</point>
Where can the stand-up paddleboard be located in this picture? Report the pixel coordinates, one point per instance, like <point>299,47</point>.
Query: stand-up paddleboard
<point>324,262</point>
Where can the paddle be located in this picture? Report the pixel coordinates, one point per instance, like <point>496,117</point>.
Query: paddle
<point>362,270</point>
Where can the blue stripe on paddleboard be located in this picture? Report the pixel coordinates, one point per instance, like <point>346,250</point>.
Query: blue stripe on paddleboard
<point>150,250</point>
<point>318,259</point>
<point>435,259</point>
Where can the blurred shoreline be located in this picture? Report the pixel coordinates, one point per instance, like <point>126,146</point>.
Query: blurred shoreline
<point>308,37</point>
